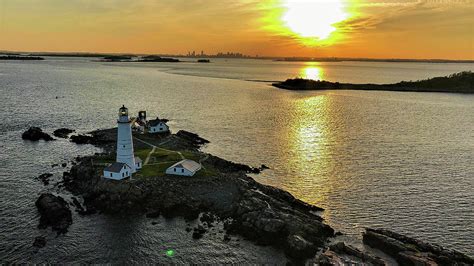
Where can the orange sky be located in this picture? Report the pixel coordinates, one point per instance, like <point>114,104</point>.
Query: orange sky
<point>375,29</point>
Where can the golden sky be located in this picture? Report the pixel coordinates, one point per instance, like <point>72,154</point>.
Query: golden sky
<point>352,28</point>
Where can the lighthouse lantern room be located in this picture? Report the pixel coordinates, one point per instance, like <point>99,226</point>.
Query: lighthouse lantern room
<point>124,140</point>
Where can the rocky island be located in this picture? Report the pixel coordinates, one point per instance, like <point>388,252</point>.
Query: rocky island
<point>155,58</point>
<point>221,192</point>
<point>462,82</point>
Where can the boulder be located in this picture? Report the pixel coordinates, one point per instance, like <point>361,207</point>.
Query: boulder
<point>82,139</point>
<point>35,134</point>
<point>63,132</point>
<point>54,212</point>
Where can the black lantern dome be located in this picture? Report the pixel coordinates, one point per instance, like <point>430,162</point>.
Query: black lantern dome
<point>123,111</point>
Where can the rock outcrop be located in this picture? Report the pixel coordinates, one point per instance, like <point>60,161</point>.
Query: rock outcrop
<point>191,137</point>
<point>63,132</point>
<point>82,139</point>
<point>54,212</point>
<point>35,134</point>
<point>342,254</point>
<point>410,251</point>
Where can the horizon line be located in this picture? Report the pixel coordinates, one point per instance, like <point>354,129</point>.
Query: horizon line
<point>244,56</point>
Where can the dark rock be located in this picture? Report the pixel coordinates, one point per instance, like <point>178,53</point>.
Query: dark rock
<point>410,251</point>
<point>298,247</point>
<point>227,238</point>
<point>63,132</point>
<point>82,139</point>
<point>341,249</point>
<point>188,229</point>
<point>54,165</point>
<point>35,134</point>
<point>264,167</point>
<point>208,218</point>
<point>45,178</point>
<point>39,242</point>
<point>54,212</point>
<point>199,231</point>
<point>154,223</point>
<point>79,208</point>
<point>192,137</point>
<point>64,164</point>
<point>230,167</point>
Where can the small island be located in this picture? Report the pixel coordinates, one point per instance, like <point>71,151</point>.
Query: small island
<point>203,61</point>
<point>21,58</point>
<point>116,58</point>
<point>462,82</point>
<point>155,58</point>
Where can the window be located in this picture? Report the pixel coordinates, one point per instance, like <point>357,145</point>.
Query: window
<point>182,170</point>
<point>174,169</point>
<point>124,146</point>
<point>110,174</point>
<point>123,175</point>
<point>161,128</point>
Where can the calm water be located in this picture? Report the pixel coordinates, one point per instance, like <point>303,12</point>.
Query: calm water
<point>402,161</point>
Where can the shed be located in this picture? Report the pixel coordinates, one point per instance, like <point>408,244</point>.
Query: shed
<point>117,171</point>
<point>138,163</point>
<point>185,167</point>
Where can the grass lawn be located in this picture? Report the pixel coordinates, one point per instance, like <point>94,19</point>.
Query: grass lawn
<point>159,161</point>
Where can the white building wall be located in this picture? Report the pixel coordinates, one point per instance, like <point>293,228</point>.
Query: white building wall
<point>179,171</point>
<point>117,176</point>
<point>162,127</point>
<point>125,145</point>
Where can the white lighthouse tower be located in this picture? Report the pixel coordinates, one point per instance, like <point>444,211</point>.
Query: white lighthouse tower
<point>124,140</point>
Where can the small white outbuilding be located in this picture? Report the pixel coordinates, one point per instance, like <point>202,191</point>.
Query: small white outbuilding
<point>184,168</point>
<point>117,171</point>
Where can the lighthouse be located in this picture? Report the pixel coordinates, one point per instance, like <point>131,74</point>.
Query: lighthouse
<point>124,140</point>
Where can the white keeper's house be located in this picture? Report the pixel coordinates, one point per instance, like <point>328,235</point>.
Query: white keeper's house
<point>157,126</point>
<point>185,167</point>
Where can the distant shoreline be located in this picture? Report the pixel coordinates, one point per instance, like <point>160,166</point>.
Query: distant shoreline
<point>20,58</point>
<point>462,82</point>
<point>275,58</point>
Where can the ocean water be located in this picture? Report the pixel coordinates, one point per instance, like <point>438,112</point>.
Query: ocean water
<point>398,160</point>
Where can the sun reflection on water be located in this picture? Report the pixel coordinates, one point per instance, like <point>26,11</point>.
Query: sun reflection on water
<point>309,140</point>
<point>312,71</point>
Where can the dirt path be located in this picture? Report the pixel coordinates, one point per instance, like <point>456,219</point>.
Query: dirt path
<point>154,148</point>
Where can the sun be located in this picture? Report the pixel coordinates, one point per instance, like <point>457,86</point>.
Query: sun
<point>313,18</point>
